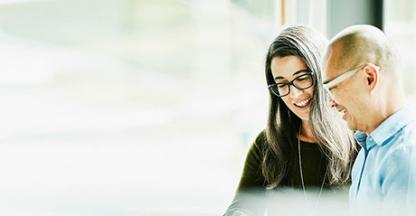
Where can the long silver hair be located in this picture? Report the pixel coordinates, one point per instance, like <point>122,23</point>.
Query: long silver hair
<point>331,132</point>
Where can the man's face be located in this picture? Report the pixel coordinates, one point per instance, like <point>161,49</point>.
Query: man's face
<point>348,94</point>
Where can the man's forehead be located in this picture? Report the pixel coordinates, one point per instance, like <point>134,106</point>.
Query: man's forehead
<point>332,62</point>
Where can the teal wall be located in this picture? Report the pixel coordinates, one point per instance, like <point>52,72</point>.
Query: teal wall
<point>342,13</point>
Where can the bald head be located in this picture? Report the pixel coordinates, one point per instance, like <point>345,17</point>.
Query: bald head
<point>360,70</point>
<point>362,44</point>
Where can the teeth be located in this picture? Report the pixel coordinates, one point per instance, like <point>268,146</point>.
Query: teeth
<point>302,103</point>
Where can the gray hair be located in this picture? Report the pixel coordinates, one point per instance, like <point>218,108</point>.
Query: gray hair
<point>333,134</point>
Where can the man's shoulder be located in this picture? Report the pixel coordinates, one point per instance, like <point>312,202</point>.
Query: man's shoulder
<point>405,141</point>
<point>402,152</point>
<point>409,134</point>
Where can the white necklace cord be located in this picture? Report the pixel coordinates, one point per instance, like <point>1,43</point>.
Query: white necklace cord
<point>301,170</point>
<point>301,175</point>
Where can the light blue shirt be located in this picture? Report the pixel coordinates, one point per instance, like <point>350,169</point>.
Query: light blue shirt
<point>385,168</point>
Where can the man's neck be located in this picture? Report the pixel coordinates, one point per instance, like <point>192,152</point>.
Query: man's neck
<point>381,115</point>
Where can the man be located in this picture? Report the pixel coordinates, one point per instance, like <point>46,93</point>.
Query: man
<point>362,75</point>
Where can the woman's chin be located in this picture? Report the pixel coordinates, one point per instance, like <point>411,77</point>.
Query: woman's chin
<point>302,113</point>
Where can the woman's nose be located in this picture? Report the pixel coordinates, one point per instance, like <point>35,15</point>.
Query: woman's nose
<point>294,92</point>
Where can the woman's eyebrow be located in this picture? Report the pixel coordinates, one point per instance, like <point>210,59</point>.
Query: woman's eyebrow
<point>297,72</point>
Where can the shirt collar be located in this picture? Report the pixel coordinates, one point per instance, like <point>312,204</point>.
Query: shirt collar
<point>386,129</point>
<point>361,138</point>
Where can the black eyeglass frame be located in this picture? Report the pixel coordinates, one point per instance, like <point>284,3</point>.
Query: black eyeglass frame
<point>310,73</point>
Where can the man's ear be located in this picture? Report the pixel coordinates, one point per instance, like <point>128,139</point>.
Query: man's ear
<point>372,73</point>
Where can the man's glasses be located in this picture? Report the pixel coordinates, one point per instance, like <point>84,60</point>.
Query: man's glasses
<point>301,82</point>
<point>341,78</point>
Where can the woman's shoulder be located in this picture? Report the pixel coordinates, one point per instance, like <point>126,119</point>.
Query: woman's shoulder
<point>260,142</point>
<point>259,146</point>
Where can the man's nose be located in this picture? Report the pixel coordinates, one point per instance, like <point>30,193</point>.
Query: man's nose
<point>332,103</point>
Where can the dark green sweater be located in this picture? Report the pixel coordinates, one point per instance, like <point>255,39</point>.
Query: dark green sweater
<point>314,165</point>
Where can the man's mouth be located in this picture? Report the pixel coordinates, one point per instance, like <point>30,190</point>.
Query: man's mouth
<point>343,112</point>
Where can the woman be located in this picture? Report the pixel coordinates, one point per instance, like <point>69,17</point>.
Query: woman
<point>305,145</point>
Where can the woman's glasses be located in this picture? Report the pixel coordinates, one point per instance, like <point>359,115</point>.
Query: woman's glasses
<point>300,82</point>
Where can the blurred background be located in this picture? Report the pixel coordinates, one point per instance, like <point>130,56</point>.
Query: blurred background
<point>147,107</point>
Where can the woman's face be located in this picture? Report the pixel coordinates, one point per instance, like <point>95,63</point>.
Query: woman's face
<point>284,70</point>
